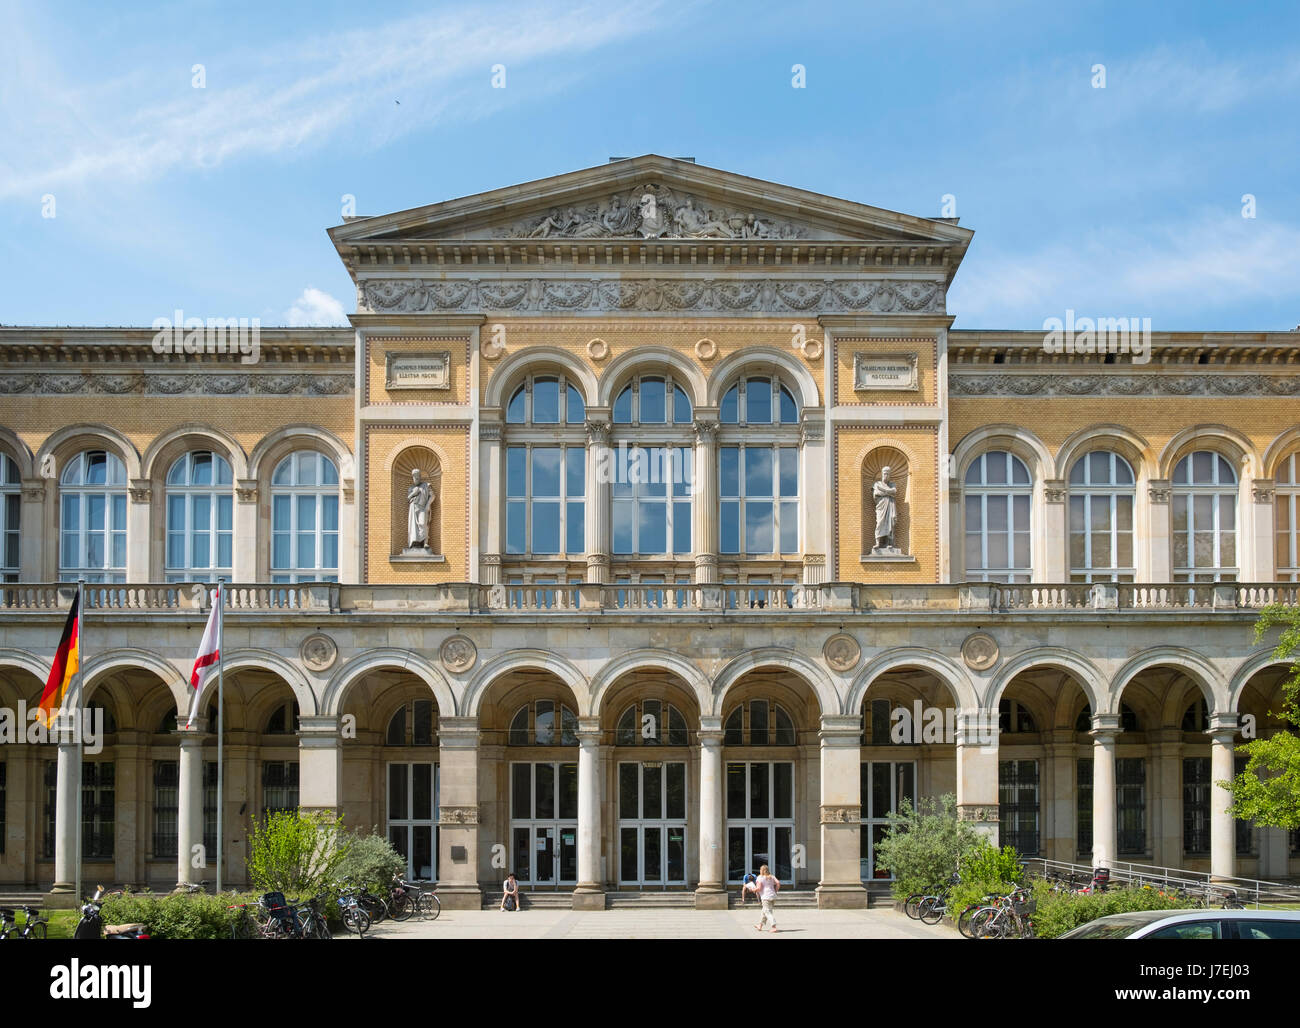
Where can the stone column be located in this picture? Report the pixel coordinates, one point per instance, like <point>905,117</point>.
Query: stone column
<point>977,769</point>
<point>139,510</point>
<point>61,895</point>
<point>320,764</point>
<point>458,819</point>
<point>1157,547</point>
<point>1167,808</point>
<point>590,891</point>
<point>841,813</point>
<point>598,488</point>
<point>1059,830</point>
<point>1055,531</point>
<point>712,891</point>
<point>1105,729</point>
<point>32,556</point>
<point>1262,550</point>
<point>189,808</point>
<point>704,495</point>
<point>244,568</point>
<point>1223,836</point>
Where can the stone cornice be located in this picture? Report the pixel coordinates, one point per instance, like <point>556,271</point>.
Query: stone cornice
<point>38,345</point>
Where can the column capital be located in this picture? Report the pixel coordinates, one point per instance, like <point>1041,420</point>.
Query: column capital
<point>977,726</point>
<point>1222,726</point>
<point>1105,727</point>
<point>318,725</point>
<point>840,730</point>
<point>194,737</point>
<point>589,731</point>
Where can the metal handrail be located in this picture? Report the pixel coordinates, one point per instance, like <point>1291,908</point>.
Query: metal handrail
<point>1249,890</point>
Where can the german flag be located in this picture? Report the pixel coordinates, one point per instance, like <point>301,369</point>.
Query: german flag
<point>65,666</point>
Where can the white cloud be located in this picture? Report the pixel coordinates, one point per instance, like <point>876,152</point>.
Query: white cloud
<point>292,94</point>
<point>1168,272</point>
<point>315,308</point>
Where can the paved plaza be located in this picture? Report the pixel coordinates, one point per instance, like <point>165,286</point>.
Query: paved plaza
<point>660,924</point>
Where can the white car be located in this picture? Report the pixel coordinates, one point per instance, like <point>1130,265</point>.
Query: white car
<point>1192,924</point>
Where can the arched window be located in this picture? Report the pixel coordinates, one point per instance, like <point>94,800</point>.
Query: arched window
<point>759,401</point>
<point>1288,519</point>
<point>1014,717</point>
<point>652,400</point>
<point>1196,718</point>
<point>11,505</point>
<point>414,723</point>
<point>546,400</point>
<point>283,720</point>
<point>998,496</point>
<point>200,518</point>
<point>758,723</point>
<point>1128,719</point>
<point>651,723</point>
<point>545,506</point>
<point>92,518</point>
<point>535,724</point>
<point>305,519</point>
<point>1101,518</point>
<point>1205,518</point>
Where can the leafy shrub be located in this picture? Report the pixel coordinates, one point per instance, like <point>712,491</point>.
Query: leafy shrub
<point>296,853</point>
<point>985,871</point>
<point>370,860</point>
<point>924,846</point>
<point>1058,912</point>
<point>180,916</point>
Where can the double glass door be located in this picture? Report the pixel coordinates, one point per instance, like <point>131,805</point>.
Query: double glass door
<point>413,817</point>
<point>760,818</point>
<point>652,823</point>
<point>885,784</point>
<point>544,823</point>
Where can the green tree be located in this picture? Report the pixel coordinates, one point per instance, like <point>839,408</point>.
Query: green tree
<point>296,853</point>
<point>922,846</point>
<point>1267,791</point>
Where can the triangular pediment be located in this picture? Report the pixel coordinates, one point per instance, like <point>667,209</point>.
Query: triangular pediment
<point>648,198</point>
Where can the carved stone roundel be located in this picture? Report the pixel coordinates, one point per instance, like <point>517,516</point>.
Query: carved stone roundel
<point>318,652</point>
<point>842,652</point>
<point>458,653</point>
<point>979,651</point>
<point>706,349</point>
<point>598,349</point>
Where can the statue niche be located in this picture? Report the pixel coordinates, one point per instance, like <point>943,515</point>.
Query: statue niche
<point>416,503</point>
<point>886,513</point>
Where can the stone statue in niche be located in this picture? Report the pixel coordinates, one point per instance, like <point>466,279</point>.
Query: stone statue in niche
<point>419,501</point>
<point>886,496</point>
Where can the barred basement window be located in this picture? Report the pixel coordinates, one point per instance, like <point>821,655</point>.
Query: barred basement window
<point>1244,830</point>
<point>210,808</point>
<point>3,821</point>
<point>50,785</point>
<point>1083,793</point>
<point>1018,805</point>
<point>166,807</point>
<point>279,786</point>
<point>1196,805</point>
<point>97,810</point>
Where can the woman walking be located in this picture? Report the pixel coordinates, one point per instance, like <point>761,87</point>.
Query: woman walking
<point>767,887</point>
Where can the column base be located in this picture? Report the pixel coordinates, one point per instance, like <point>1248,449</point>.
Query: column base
<point>711,897</point>
<point>62,896</point>
<point>460,897</point>
<point>588,896</point>
<point>841,897</point>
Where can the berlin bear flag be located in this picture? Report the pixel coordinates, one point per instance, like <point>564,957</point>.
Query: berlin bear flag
<point>209,654</point>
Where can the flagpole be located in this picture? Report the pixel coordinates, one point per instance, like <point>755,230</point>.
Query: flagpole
<point>80,629</point>
<point>221,623</point>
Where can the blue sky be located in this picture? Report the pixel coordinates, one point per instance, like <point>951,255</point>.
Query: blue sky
<point>1118,201</point>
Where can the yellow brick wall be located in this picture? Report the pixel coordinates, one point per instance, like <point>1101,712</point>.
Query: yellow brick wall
<point>852,444</point>
<point>1156,419</point>
<point>378,347</point>
<point>678,335</point>
<point>926,350</point>
<point>383,444</point>
<point>143,419</point>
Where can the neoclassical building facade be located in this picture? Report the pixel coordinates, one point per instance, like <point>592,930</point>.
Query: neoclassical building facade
<point>732,545</point>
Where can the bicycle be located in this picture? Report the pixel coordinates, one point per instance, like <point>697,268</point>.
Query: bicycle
<point>1007,919</point>
<point>354,917</point>
<point>7,923</point>
<point>423,903</point>
<point>34,926</point>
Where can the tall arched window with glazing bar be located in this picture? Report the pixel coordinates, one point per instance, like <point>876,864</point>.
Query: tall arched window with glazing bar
<point>998,496</point>
<point>1204,518</point>
<point>1102,493</point>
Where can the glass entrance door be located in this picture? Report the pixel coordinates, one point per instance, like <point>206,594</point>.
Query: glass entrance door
<point>885,784</point>
<point>652,823</point>
<point>544,823</point>
<point>413,817</point>
<point>760,818</point>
